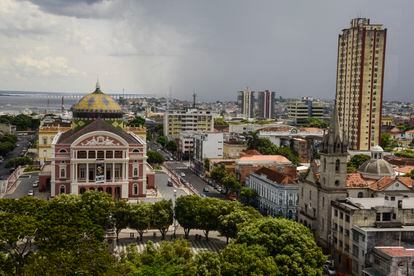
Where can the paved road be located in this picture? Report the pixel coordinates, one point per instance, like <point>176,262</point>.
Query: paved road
<point>26,184</point>
<point>190,177</point>
<point>22,143</point>
<point>167,192</point>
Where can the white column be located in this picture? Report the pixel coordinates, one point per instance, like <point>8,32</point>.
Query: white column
<point>126,170</point>
<point>113,172</point>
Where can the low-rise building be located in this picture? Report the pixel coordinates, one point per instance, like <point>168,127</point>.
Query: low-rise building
<point>251,163</point>
<point>233,150</point>
<point>360,224</point>
<point>206,146</point>
<point>390,261</point>
<point>277,192</point>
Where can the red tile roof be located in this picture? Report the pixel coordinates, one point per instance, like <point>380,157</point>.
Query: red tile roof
<point>276,176</point>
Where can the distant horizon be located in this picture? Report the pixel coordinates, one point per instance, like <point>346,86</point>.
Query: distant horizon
<point>2,91</point>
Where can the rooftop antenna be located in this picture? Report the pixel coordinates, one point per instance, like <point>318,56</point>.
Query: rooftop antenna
<point>194,99</point>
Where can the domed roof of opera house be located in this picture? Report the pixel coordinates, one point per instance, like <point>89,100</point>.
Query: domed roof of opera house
<point>97,101</point>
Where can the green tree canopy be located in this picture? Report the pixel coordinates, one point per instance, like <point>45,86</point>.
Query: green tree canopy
<point>356,161</point>
<point>155,157</point>
<point>291,244</point>
<point>19,161</point>
<point>162,216</point>
<point>187,211</point>
<point>140,217</point>
<point>138,121</point>
<point>172,146</point>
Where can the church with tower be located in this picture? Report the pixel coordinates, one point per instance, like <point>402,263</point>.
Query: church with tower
<point>328,181</point>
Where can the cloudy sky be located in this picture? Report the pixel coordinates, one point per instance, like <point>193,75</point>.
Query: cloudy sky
<point>215,47</point>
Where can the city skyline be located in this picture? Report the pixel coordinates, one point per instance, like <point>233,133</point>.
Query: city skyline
<point>152,47</point>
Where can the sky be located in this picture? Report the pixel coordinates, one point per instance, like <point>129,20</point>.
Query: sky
<point>212,47</point>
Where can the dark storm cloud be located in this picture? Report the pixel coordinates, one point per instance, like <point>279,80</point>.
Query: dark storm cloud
<point>77,8</point>
<point>286,46</point>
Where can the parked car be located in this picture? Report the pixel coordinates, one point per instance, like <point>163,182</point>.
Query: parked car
<point>36,184</point>
<point>182,174</point>
<point>1,159</point>
<point>170,183</point>
<point>206,189</point>
<point>30,193</point>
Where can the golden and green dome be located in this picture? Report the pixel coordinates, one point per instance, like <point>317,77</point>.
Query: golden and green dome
<point>98,102</point>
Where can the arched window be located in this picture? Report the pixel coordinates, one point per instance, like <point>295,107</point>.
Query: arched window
<point>135,150</point>
<point>135,189</point>
<point>360,195</point>
<point>63,151</point>
<point>62,189</point>
<point>337,163</point>
<point>324,164</point>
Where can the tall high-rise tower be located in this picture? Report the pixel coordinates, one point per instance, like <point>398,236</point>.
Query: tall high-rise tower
<point>245,101</point>
<point>266,104</point>
<point>359,82</point>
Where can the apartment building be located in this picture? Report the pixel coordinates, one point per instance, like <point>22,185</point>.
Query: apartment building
<point>246,103</point>
<point>266,104</point>
<point>185,121</point>
<point>359,82</point>
<point>300,111</point>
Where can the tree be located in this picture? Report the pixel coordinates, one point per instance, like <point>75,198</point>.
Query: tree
<point>207,263</point>
<point>209,212</point>
<point>6,147</point>
<point>17,234</point>
<point>410,174</point>
<point>252,140</point>
<point>218,173</point>
<point>387,142</point>
<point>138,121</point>
<point>229,223</point>
<point>220,122</point>
<point>230,183</point>
<point>140,218</point>
<point>172,146</point>
<point>162,216</point>
<point>186,212</point>
<point>90,257</point>
<point>206,164</point>
<point>65,223</point>
<point>19,161</point>
<point>316,122</point>
<point>292,245</point>
<point>155,157</point>
<point>248,196</point>
<point>162,140</point>
<point>356,161</point>
<point>247,260</point>
<point>170,258</point>
<point>121,212</point>
<point>98,206</point>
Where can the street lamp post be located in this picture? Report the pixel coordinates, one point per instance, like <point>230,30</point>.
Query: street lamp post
<point>174,218</point>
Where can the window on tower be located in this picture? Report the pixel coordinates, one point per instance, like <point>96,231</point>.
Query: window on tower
<point>337,164</point>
